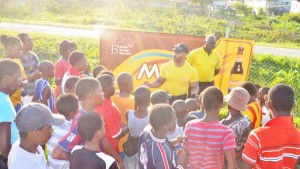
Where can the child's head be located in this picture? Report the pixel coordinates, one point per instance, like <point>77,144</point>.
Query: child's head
<point>90,127</point>
<point>26,40</point>
<point>67,105</point>
<point>142,96</point>
<point>89,90</point>
<point>46,68</point>
<point>70,84</point>
<point>10,76</point>
<point>78,60</point>
<point>107,72</point>
<point>190,118</point>
<point>237,99</point>
<point>108,86</point>
<point>181,111</point>
<point>34,123</point>
<point>212,99</point>
<point>281,100</point>
<point>97,70</point>
<point>250,87</point>
<point>262,92</point>
<point>125,82</point>
<point>66,47</point>
<point>160,96</point>
<point>12,45</point>
<point>162,118</point>
<point>192,104</point>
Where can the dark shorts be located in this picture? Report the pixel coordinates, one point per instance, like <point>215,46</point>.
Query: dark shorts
<point>204,85</point>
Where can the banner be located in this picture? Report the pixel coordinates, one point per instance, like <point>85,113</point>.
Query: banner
<point>142,53</point>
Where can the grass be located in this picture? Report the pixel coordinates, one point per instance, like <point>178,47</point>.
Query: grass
<point>264,68</point>
<point>279,45</point>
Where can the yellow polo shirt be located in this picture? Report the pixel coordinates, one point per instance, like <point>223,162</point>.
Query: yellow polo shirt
<point>205,64</point>
<point>178,78</point>
<point>16,97</point>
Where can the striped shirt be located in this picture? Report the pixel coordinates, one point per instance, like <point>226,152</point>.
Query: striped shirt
<point>254,113</point>
<point>39,89</point>
<point>58,133</point>
<point>206,143</point>
<point>275,145</point>
<point>155,153</point>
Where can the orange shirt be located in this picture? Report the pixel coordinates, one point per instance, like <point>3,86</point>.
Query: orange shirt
<point>123,105</point>
<point>254,113</point>
<point>275,145</point>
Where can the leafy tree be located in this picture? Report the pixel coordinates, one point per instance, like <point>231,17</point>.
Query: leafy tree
<point>241,8</point>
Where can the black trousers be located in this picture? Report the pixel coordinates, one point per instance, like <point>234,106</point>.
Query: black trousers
<point>181,97</point>
<point>204,85</point>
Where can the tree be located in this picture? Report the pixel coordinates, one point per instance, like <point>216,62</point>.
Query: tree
<point>241,8</point>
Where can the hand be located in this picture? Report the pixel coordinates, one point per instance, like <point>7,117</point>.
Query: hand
<point>181,139</point>
<point>148,84</point>
<point>183,157</point>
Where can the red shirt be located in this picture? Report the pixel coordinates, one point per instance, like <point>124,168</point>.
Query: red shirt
<point>275,145</point>
<point>61,67</point>
<point>74,72</point>
<point>112,119</point>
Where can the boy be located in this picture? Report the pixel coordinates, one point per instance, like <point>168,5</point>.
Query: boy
<point>110,113</point>
<point>262,93</point>
<point>91,129</point>
<point>253,111</point>
<point>181,111</point>
<point>62,65</point>
<point>70,84</point>
<point>43,92</point>
<point>90,95</point>
<point>10,80</point>
<point>155,150</point>
<point>277,144</point>
<point>97,70</point>
<point>78,63</point>
<point>124,101</point>
<point>160,96</point>
<point>67,105</point>
<point>192,104</point>
<point>208,141</point>
<point>199,114</point>
<point>34,122</point>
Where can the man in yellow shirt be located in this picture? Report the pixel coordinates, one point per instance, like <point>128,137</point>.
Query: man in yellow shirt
<point>207,62</point>
<point>177,75</point>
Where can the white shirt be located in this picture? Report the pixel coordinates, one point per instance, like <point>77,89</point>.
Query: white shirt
<point>177,132</point>
<point>19,158</point>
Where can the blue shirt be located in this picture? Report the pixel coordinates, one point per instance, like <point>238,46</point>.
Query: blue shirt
<point>8,114</point>
<point>40,87</point>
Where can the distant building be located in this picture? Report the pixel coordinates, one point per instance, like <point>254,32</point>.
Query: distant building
<point>275,7</point>
<point>295,6</point>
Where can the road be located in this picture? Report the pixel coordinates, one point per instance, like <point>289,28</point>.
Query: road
<point>95,33</point>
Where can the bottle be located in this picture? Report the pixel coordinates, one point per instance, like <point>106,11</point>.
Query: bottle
<point>237,70</point>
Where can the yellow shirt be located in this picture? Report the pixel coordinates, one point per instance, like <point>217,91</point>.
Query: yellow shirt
<point>205,64</point>
<point>178,78</point>
<point>123,105</point>
<point>16,97</point>
<point>254,113</point>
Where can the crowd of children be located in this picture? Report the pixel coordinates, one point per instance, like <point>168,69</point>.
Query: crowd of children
<point>99,121</point>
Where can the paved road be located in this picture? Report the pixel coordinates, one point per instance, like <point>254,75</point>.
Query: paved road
<point>95,33</point>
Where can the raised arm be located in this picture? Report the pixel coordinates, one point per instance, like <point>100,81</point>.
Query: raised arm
<point>157,83</point>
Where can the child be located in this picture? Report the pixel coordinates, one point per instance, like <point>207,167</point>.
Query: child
<point>43,92</point>
<point>199,114</point>
<point>181,110</point>
<point>253,111</point>
<point>97,70</point>
<point>261,98</point>
<point>13,49</point>
<point>124,101</point>
<point>107,72</point>
<point>90,96</point>
<point>67,105</point>
<point>192,104</point>
<point>91,129</point>
<point>34,122</point>
<point>110,113</point>
<point>277,143</point>
<point>237,101</point>
<point>10,80</point>
<point>160,96</point>
<point>138,119</point>
<point>70,84</point>
<point>208,141</point>
<point>155,151</point>
<point>78,63</point>
<point>62,65</point>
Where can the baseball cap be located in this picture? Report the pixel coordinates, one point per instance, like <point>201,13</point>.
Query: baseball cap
<point>179,48</point>
<point>34,116</point>
<point>238,98</point>
<point>160,96</point>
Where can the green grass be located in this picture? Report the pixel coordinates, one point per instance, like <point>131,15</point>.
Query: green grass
<point>279,45</point>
